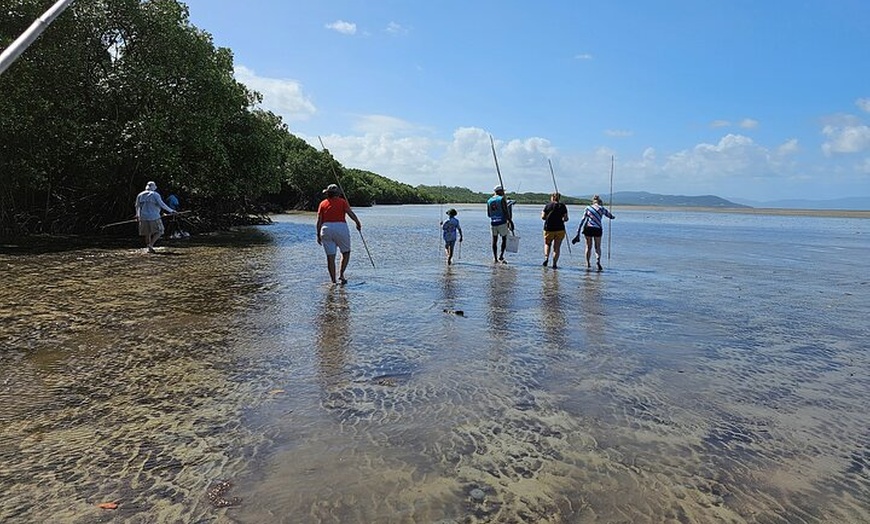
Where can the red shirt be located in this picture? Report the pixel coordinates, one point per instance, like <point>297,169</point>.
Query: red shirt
<point>333,209</point>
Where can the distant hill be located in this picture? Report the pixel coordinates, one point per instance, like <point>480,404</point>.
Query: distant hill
<point>456,194</point>
<point>642,198</point>
<point>849,203</point>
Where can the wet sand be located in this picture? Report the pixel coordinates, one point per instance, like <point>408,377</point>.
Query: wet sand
<point>706,375</point>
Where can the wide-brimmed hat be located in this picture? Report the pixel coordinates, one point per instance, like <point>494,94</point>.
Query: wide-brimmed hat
<point>497,189</point>
<point>332,189</point>
<point>451,212</point>
<point>151,186</point>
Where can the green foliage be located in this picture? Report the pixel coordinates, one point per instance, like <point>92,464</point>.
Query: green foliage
<point>367,188</point>
<point>115,93</point>
<point>458,195</point>
<point>462,195</point>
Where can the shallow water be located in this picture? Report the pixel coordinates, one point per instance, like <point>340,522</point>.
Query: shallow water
<point>716,371</point>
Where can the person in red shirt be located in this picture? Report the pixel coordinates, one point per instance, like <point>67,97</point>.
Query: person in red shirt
<point>332,231</point>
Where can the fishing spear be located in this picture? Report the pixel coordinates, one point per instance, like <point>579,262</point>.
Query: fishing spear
<point>610,228</point>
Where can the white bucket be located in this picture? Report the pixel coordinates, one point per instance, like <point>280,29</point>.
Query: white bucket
<point>513,243</point>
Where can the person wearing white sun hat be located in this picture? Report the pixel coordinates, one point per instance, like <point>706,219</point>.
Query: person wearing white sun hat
<point>148,205</point>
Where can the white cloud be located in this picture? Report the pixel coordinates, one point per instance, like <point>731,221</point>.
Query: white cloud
<point>734,155</point>
<point>846,139</point>
<point>790,147</point>
<point>618,133</point>
<point>409,153</point>
<point>720,123</point>
<point>864,104</point>
<point>468,158</point>
<point>407,159</point>
<point>395,149</point>
<point>346,28</point>
<point>583,56</point>
<point>283,97</point>
<point>397,29</point>
<point>748,123</point>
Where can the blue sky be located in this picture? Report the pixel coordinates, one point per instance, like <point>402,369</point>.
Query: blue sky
<point>744,99</point>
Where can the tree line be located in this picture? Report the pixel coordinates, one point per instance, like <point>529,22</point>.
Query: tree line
<point>463,195</point>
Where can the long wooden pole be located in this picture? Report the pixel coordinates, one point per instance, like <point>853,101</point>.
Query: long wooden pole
<point>440,213</point>
<point>553,174</point>
<point>501,183</point>
<point>132,220</point>
<point>11,53</point>
<point>495,158</point>
<point>610,203</point>
<point>338,182</point>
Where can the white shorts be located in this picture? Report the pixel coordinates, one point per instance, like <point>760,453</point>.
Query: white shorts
<point>335,235</point>
<point>501,230</point>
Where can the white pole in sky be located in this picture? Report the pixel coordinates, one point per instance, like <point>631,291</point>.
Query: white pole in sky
<point>28,37</point>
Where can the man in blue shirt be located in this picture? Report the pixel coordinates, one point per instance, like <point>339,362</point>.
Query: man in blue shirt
<point>501,222</point>
<point>148,205</point>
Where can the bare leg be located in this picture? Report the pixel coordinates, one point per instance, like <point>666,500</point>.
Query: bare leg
<point>598,252</point>
<point>449,249</point>
<point>503,247</point>
<point>149,241</point>
<point>557,250</point>
<point>495,247</point>
<point>588,252</point>
<point>547,252</point>
<point>330,266</point>
<point>345,258</point>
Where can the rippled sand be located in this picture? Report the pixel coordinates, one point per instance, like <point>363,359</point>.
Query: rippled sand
<point>689,382</point>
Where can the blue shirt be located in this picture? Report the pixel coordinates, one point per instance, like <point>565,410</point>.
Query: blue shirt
<point>149,204</point>
<point>496,209</point>
<point>450,227</point>
<point>172,201</point>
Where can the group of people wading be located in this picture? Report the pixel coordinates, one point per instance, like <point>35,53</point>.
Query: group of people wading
<point>334,235</point>
<point>555,214</point>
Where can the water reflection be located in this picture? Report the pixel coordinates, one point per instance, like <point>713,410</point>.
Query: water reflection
<point>553,315</point>
<point>333,336</point>
<point>500,312</point>
<point>737,396</point>
<point>449,288</point>
<point>592,310</point>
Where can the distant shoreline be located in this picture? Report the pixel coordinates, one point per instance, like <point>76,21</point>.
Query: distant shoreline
<point>833,213</point>
<point>769,211</point>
